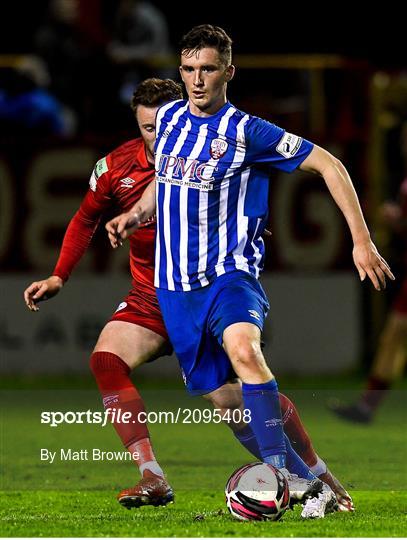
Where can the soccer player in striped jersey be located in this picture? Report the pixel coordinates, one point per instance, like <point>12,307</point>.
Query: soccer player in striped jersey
<point>212,164</point>
<point>136,333</point>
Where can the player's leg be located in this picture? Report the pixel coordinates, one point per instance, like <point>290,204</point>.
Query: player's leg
<point>211,312</point>
<point>302,444</point>
<point>237,327</point>
<point>388,366</point>
<point>122,346</point>
<point>228,399</point>
<point>241,341</point>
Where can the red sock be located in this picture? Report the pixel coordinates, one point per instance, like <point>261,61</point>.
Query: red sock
<point>375,392</point>
<point>118,392</point>
<point>296,432</point>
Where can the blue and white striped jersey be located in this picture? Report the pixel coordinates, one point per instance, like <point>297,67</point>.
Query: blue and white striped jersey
<point>212,191</point>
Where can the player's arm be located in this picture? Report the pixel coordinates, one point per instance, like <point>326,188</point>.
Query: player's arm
<point>367,259</point>
<point>76,241</point>
<point>122,226</point>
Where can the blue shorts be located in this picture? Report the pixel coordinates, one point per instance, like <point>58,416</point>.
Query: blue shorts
<point>195,322</point>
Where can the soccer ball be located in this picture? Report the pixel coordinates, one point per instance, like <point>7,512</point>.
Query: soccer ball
<point>257,491</point>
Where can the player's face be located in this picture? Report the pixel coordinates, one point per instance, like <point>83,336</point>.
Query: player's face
<point>146,122</point>
<point>205,77</point>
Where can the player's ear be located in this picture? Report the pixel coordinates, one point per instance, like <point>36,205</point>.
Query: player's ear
<point>230,72</point>
<point>181,73</point>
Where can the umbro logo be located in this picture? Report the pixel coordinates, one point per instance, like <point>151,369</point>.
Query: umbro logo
<point>253,313</point>
<point>127,182</point>
<point>122,305</point>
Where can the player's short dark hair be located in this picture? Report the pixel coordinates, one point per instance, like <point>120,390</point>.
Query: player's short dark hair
<point>206,35</point>
<point>155,92</point>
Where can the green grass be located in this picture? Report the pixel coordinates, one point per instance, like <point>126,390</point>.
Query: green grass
<point>196,514</point>
<point>77,498</point>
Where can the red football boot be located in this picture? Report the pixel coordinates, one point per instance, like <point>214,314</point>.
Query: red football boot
<point>151,490</point>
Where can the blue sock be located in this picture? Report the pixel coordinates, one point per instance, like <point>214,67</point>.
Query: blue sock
<point>246,437</point>
<point>262,400</point>
<point>295,464</point>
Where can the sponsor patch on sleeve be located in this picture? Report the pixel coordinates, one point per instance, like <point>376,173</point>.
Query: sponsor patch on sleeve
<point>100,168</point>
<point>289,145</point>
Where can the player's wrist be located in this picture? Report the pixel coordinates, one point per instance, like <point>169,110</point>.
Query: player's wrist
<point>57,280</point>
<point>138,217</point>
<point>361,238</point>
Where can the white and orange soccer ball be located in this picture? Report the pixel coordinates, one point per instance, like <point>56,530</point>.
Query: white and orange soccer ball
<point>257,491</point>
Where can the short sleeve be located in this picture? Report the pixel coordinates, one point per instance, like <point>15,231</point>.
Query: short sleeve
<point>268,143</point>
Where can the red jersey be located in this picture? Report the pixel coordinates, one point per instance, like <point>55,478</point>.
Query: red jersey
<point>119,179</point>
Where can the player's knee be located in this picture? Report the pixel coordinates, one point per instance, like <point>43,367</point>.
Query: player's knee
<point>109,370</point>
<point>98,364</point>
<point>247,353</point>
<point>102,362</point>
<point>95,363</point>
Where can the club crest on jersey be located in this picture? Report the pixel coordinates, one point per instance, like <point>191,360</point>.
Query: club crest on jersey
<point>218,148</point>
<point>127,182</point>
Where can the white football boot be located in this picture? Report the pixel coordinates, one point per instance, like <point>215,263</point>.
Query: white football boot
<point>320,505</point>
<point>300,488</point>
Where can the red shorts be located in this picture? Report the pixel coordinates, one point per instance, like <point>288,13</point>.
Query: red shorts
<point>142,309</point>
<point>400,303</point>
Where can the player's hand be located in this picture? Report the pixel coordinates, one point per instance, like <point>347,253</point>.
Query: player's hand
<point>42,290</point>
<point>370,263</point>
<point>121,227</point>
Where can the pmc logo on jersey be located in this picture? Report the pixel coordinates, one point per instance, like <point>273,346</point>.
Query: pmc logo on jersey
<point>218,148</point>
<point>181,169</point>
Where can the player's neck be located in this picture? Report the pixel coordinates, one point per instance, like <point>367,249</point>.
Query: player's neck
<point>150,157</point>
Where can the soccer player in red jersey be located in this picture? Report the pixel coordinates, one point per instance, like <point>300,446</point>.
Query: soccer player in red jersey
<point>391,356</point>
<point>136,332</point>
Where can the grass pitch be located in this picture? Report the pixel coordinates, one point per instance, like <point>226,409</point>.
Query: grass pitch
<point>77,498</point>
